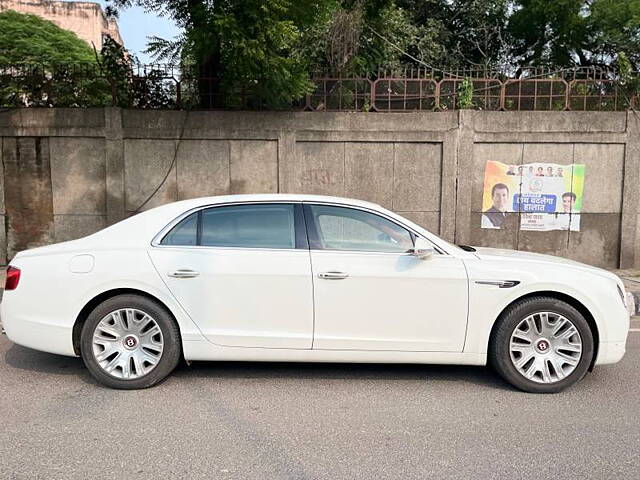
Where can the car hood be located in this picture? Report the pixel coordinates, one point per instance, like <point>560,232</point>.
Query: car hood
<point>516,255</point>
<point>486,252</point>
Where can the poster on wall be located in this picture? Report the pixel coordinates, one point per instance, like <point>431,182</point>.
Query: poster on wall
<point>548,195</point>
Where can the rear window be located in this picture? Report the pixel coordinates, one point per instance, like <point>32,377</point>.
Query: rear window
<point>246,226</point>
<point>249,226</point>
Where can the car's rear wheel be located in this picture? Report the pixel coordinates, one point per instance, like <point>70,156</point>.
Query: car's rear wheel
<point>541,345</point>
<point>130,342</point>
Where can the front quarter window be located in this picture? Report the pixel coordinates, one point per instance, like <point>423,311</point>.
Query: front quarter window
<point>341,228</point>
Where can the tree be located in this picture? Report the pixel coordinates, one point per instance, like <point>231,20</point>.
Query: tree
<point>46,65</point>
<point>391,34</point>
<point>263,53</point>
<point>241,51</point>
<point>357,37</point>
<point>31,39</point>
<point>460,33</point>
<point>617,30</point>
<point>575,32</point>
<point>551,33</point>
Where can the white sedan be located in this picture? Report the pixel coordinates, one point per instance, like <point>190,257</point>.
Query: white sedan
<point>307,279</point>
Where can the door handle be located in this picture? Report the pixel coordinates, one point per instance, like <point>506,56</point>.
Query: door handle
<point>183,273</point>
<point>333,275</point>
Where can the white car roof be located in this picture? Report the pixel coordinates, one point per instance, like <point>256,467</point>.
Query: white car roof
<point>272,197</point>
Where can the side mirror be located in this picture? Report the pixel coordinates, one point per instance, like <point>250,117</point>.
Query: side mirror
<point>422,249</point>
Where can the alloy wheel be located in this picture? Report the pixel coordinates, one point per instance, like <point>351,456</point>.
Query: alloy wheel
<point>127,343</point>
<point>545,347</point>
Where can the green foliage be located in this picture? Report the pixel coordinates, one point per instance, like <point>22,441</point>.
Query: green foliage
<point>52,66</point>
<point>88,80</point>
<point>116,67</point>
<point>128,88</point>
<point>575,32</point>
<point>615,27</point>
<point>628,80</point>
<point>459,33</point>
<point>624,67</point>
<point>465,94</point>
<point>246,51</point>
<point>386,34</point>
<point>166,50</point>
<point>31,39</point>
<point>262,53</point>
<point>255,41</point>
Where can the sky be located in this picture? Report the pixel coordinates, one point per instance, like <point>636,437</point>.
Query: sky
<point>136,25</point>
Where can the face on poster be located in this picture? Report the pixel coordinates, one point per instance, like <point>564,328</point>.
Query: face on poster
<point>548,195</point>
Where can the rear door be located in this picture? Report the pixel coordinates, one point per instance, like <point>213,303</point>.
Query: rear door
<point>243,274</point>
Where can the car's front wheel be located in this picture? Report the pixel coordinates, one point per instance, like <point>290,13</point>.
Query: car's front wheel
<point>541,345</point>
<point>130,342</point>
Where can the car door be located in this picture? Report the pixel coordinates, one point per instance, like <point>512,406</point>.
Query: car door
<point>242,272</point>
<point>370,294</point>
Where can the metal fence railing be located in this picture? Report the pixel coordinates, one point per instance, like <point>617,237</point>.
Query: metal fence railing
<point>167,87</point>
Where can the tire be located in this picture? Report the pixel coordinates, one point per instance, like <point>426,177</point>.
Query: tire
<point>130,342</point>
<point>556,365</point>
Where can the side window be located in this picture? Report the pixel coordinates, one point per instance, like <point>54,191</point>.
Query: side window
<point>184,233</point>
<point>250,226</point>
<point>341,228</point>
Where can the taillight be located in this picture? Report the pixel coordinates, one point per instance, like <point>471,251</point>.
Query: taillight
<point>13,277</point>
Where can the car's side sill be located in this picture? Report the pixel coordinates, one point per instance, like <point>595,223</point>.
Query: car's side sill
<point>200,350</point>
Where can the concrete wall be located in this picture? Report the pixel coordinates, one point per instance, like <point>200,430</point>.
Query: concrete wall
<point>69,172</point>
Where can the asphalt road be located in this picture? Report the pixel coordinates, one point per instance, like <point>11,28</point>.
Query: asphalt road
<point>264,421</point>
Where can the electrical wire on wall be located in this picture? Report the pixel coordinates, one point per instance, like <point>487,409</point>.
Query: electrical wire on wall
<point>173,162</point>
<point>175,152</point>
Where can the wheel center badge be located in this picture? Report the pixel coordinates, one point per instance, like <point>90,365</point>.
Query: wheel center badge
<point>130,341</point>
<point>543,345</point>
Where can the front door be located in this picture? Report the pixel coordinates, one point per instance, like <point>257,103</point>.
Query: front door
<point>242,272</point>
<point>370,294</point>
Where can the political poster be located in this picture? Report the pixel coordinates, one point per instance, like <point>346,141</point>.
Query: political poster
<point>548,196</point>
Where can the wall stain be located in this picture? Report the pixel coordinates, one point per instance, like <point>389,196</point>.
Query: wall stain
<point>28,193</point>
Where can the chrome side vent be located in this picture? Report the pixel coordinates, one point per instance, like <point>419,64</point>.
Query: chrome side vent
<point>499,283</point>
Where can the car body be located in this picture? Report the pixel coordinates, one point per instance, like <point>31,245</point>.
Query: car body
<point>287,297</point>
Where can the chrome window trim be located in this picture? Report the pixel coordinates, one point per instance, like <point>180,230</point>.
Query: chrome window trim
<point>223,249</point>
<point>362,252</point>
<point>155,242</point>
